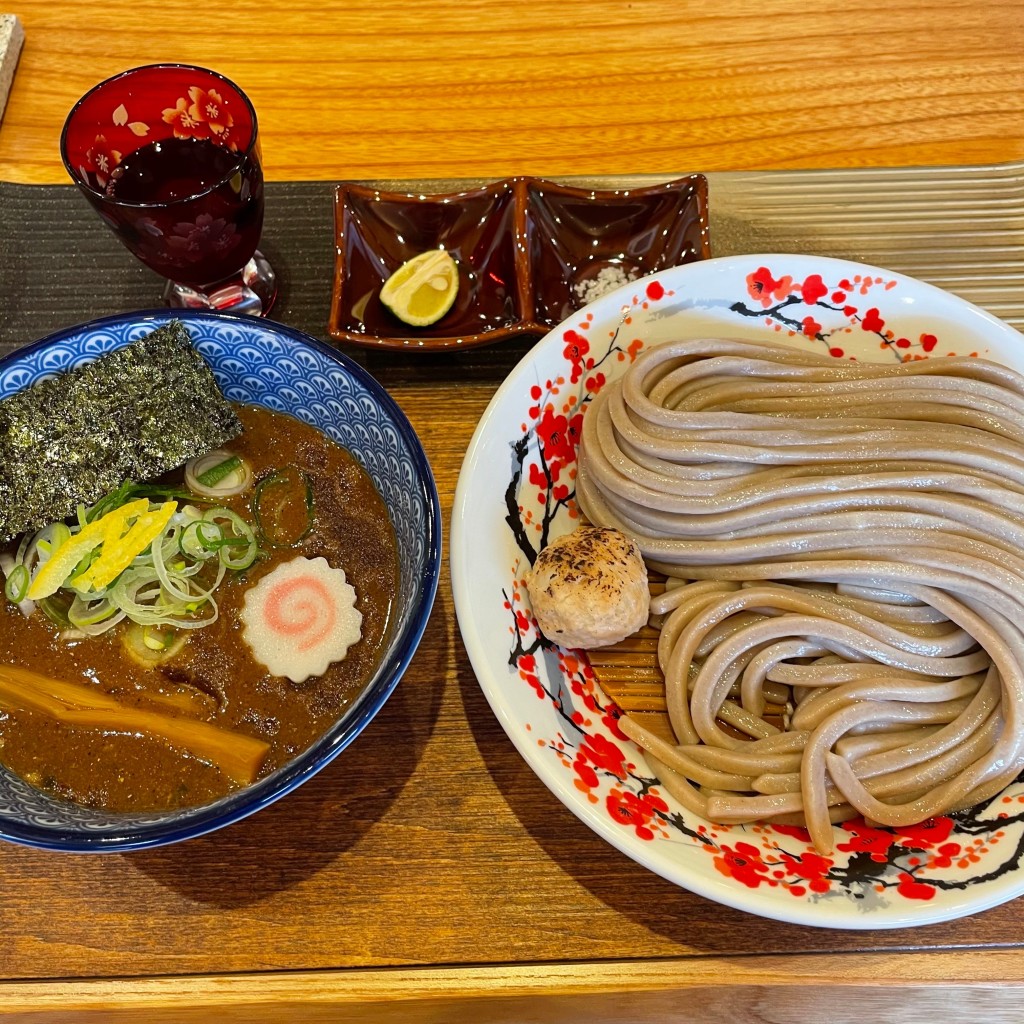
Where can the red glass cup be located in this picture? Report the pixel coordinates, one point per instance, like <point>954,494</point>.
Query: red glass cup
<point>169,156</point>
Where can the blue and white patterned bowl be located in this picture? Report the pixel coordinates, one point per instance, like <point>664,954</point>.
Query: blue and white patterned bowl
<point>264,363</point>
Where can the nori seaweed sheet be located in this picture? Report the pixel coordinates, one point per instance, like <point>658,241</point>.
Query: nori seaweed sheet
<point>131,414</point>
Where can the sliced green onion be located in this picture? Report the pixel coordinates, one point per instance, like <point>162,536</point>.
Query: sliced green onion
<point>273,497</point>
<point>200,539</point>
<point>237,551</point>
<point>115,499</point>
<point>216,473</point>
<point>16,586</point>
<point>150,646</point>
<point>147,602</point>
<point>129,491</point>
<point>55,608</point>
<point>179,587</point>
<point>166,589</point>
<point>158,639</point>
<point>85,562</point>
<point>242,561</point>
<point>51,537</point>
<point>39,546</point>
<point>94,616</point>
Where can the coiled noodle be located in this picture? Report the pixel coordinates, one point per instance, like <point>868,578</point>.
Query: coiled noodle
<point>842,542</point>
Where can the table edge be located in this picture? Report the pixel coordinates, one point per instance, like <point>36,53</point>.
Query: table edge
<point>502,992</point>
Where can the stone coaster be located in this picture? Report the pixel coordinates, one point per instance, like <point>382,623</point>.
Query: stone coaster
<point>11,37</point>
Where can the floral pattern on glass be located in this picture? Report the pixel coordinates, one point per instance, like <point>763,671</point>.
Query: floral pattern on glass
<point>101,159</point>
<point>202,113</point>
<point>193,241</point>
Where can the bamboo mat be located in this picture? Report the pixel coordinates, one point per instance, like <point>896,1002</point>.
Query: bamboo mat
<point>60,266</point>
<point>961,228</point>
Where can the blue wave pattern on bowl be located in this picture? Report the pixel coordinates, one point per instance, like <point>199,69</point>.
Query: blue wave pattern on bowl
<point>263,363</point>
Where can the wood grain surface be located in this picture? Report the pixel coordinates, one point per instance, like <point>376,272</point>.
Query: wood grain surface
<point>429,842</point>
<point>902,988</point>
<point>392,88</point>
<point>428,873</point>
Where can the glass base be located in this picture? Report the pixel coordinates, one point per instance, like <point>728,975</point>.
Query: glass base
<point>251,291</point>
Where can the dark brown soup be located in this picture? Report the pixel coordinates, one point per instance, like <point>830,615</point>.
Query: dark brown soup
<point>213,676</point>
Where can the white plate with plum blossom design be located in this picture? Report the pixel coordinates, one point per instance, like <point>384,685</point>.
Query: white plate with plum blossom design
<point>516,493</point>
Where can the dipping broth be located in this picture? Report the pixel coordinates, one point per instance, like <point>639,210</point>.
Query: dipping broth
<point>214,677</point>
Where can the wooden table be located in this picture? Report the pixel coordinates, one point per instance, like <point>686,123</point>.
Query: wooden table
<point>427,873</point>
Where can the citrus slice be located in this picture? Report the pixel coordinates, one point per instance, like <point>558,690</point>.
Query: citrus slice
<point>108,529</point>
<point>422,289</point>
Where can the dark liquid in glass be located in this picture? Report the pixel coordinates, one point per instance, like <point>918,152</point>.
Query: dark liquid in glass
<point>196,241</point>
<point>170,169</point>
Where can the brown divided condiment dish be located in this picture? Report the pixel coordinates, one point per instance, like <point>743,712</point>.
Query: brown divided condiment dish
<point>529,253</point>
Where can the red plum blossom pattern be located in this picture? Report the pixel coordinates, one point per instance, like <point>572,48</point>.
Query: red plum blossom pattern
<point>873,865</point>
<point>802,307</point>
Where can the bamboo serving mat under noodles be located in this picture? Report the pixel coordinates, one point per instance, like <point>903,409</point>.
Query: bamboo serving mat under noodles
<point>630,674</point>
<point>628,671</point>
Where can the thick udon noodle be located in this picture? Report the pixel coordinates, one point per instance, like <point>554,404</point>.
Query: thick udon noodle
<point>842,539</point>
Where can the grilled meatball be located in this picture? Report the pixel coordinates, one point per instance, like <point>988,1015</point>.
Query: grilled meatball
<point>589,588</point>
